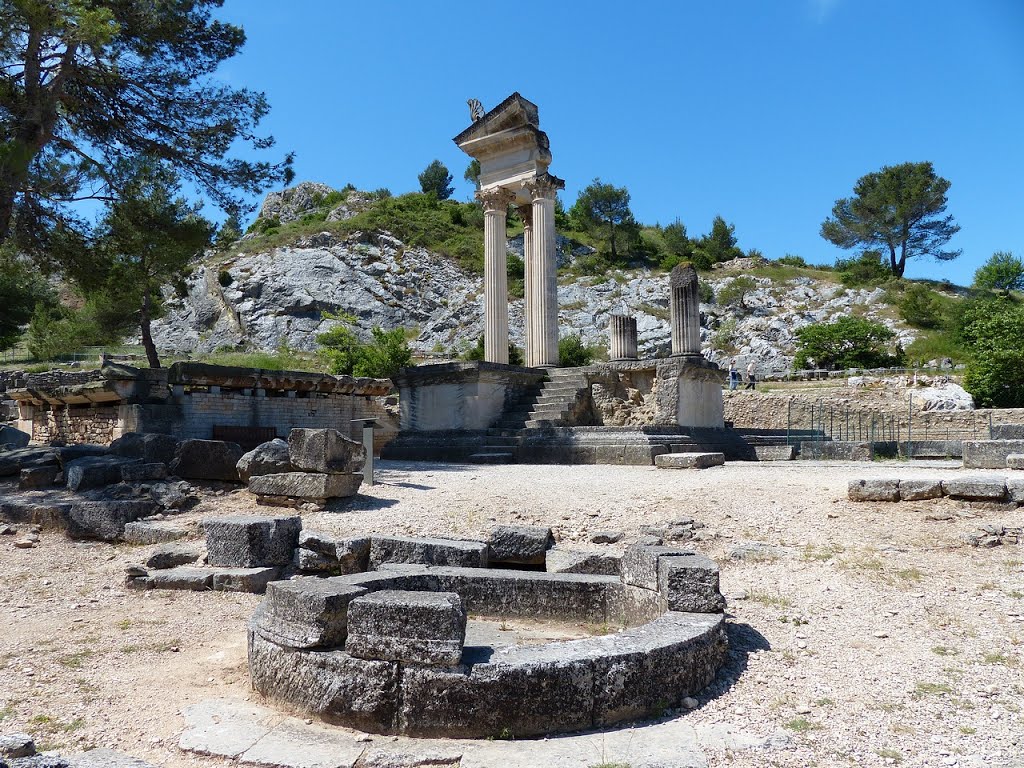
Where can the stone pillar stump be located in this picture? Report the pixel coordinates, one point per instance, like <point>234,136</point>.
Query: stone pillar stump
<point>622,330</point>
<point>684,310</point>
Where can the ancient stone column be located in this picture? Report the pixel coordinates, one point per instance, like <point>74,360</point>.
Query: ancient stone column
<point>495,202</point>
<point>622,330</point>
<point>544,289</point>
<point>684,310</point>
<point>526,214</point>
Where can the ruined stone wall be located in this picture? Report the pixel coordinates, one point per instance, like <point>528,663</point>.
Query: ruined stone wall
<point>84,424</point>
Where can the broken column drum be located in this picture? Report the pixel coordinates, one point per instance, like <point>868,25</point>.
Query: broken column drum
<point>684,309</point>
<point>622,332</point>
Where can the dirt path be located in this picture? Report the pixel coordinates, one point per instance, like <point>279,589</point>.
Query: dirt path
<point>869,634</point>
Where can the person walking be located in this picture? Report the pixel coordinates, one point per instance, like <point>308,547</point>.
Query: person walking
<point>734,375</point>
<point>750,376</point>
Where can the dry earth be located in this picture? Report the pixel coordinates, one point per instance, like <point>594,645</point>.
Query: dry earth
<point>871,635</point>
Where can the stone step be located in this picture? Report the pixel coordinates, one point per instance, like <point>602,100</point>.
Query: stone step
<point>543,423</point>
<point>492,456</point>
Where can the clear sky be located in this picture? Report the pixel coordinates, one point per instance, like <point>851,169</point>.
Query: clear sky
<point>763,111</point>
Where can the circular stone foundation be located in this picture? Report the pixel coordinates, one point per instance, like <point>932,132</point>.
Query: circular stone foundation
<point>388,651</point>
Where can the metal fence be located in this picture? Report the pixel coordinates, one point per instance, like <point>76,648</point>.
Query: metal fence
<point>84,355</point>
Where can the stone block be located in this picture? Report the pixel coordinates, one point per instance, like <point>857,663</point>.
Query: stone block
<point>1015,461</point>
<point>978,488</point>
<point>14,437</point>
<point>689,583</point>
<point>349,555</point>
<point>188,578</point>
<point>640,564</point>
<point>207,460</point>
<point>12,462</point>
<point>874,490</point>
<point>94,472</point>
<point>106,520</point>
<point>835,450</point>
<point>249,541</point>
<point>308,561</point>
<point>14,745</point>
<point>775,452</point>
<point>34,478</point>
<point>561,560</point>
<point>252,580</point>
<point>102,757</point>
<point>1015,489</point>
<point>306,485</point>
<point>324,450</point>
<point>140,473</point>
<point>989,454</point>
<point>425,551</point>
<point>45,514</point>
<point>149,447</point>
<point>363,694</point>
<point>173,555</point>
<point>307,612</point>
<point>154,531</point>
<point>918,490</point>
<point>270,458</point>
<point>413,627</point>
<point>519,544</point>
<point>689,460</point>
<point>68,453</point>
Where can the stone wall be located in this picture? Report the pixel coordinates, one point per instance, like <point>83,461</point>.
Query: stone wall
<point>84,424</point>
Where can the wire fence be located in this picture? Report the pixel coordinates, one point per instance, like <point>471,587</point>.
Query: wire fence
<point>84,355</point>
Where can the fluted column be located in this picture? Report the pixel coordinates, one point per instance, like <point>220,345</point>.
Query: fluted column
<point>622,333</point>
<point>526,214</point>
<point>684,310</point>
<point>495,202</point>
<point>544,291</point>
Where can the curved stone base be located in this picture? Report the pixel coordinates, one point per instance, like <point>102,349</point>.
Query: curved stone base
<point>523,690</point>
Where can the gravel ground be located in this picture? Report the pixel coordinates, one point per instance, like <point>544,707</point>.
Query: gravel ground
<point>870,635</point>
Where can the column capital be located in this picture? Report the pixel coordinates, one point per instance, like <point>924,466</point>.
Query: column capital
<point>495,198</point>
<point>544,186</point>
<point>526,214</point>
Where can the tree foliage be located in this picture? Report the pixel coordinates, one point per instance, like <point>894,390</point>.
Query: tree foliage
<point>1002,272</point>
<point>734,293</point>
<point>435,178</point>
<point>572,352</point>
<point>992,328</point>
<point>919,308</point>
<point>900,210</point>
<point>849,342</point>
<point>718,245</point>
<point>476,352</point>
<point>343,352</point>
<point>603,210</point>
<point>866,269</point>
<point>21,289</point>
<point>472,173</point>
<point>88,85</point>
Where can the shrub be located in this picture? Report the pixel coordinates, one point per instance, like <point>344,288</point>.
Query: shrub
<point>735,292</point>
<point>867,269</point>
<point>516,276</point>
<point>919,308</point>
<point>849,342</point>
<point>706,293</point>
<point>791,260</point>
<point>572,352</point>
<point>344,353</point>
<point>992,329</point>
<point>224,278</point>
<point>1002,272</point>
<point>515,355</point>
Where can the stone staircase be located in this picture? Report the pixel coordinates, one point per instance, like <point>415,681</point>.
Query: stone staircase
<point>547,405</point>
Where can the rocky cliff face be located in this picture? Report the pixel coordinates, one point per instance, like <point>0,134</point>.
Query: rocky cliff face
<point>278,297</point>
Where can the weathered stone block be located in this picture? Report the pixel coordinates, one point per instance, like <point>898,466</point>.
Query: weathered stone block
<point>689,583</point>
<point>640,564</point>
<point>519,544</point>
<point>324,450</point>
<point>187,578</point>
<point>350,555</point>
<point>989,454</point>
<point>1015,461</point>
<point>561,560</point>
<point>102,757</point>
<point>154,531</point>
<point>689,460</point>
<point>207,460</point>
<point>106,520</point>
<point>403,549</point>
<point>33,478</point>
<point>270,458</point>
<point>414,627</point>
<point>306,485</point>
<point>1015,489</point>
<point>975,488</point>
<point>917,490</point>
<point>248,541</point>
<point>775,452</point>
<point>252,580</point>
<point>173,555</point>
<point>307,612</point>
<point>94,472</point>
<point>308,561</point>
<point>12,462</point>
<point>45,514</point>
<point>14,745</point>
<point>149,447</point>
<point>874,490</point>
<point>140,473</point>
<point>362,694</point>
<point>14,437</point>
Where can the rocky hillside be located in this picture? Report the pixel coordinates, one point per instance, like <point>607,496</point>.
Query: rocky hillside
<point>265,298</point>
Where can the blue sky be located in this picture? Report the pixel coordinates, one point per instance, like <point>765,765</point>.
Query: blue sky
<point>764,112</point>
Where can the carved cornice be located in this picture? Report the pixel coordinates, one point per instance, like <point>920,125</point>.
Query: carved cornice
<point>495,199</point>
<point>544,187</point>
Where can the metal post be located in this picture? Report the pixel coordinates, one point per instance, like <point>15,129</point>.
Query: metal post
<point>368,426</point>
<point>910,418</point>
